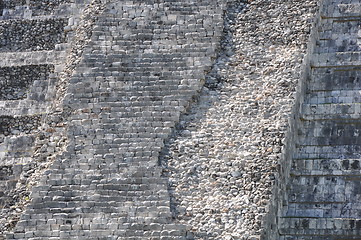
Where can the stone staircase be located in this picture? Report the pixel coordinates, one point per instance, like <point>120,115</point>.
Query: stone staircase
<point>144,64</point>
<point>33,49</point>
<point>324,190</point>
<point>25,71</point>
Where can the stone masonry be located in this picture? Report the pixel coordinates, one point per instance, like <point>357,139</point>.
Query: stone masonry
<point>145,62</point>
<point>33,50</point>
<point>90,91</point>
<point>319,188</point>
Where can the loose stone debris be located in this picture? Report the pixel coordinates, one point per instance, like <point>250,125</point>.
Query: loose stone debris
<point>223,156</point>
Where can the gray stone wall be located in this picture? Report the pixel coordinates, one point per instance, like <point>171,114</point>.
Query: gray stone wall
<point>15,82</point>
<point>36,7</point>
<point>10,125</point>
<point>46,7</point>
<point>279,197</point>
<point>31,35</point>
<point>88,131</point>
<point>34,53</point>
<point>317,194</point>
<point>224,153</point>
<point>139,72</point>
<point>9,4</point>
<point>117,103</point>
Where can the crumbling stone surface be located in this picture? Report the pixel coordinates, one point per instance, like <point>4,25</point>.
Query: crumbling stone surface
<point>222,161</point>
<point>15,82</point>
<point>45,7</point>
<point>31,35</point>
<point>8,4</point>
<point>16,143</point>
<point>318,190</point>
<point>38,7</point>
<point>124,97</point>
<point>9,124</point>
<point>96,151</point>
<point>27,124</point>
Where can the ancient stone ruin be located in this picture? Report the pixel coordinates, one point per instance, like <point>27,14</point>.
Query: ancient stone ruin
<point>167,119</point>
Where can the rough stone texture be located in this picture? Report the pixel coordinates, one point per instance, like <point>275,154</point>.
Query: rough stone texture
<point>33,7</point>
<point>10,124</point>
<point>222,161</point>
<point>6,4</point>
<point>44,10</point>
<point>319,196</point>
<point>15,82</point>
<point>31,35</point>
<point>139,72</point>
<point>45,7</point>
<point>27,133</point>
<point>98,145</point>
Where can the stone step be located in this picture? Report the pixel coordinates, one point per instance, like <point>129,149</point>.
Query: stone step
<point>329,132</point>
<point>338,36</point>
<point>12,59</point>
<point>150,110</point>
<point>331,228</point>
<point>338,59</point>
<point>324,189</point>
<point>138,171</point>
<point>90,235</point>
<point>96,218</point>
<point>89,217</point>
<point>345,9</point>
<point>142,131</point>
<point>157,229</point>
<point>333,28</point>
<point>151,207</point>
<point>134,123</point>
<point>324,210</point>
<point>328,152</point>
<point>145,207</point>
<point>160,30</point>
<point>326,167</point>
<point>172,105</point>
<point>153,198</point>
<point>125,183</point>
<point>140,94</point>
<point>120,80</point>
<point>109,19</point>
<point>126,71</point>
<point>119,176</point>
<point>317,237</point>
<point>127,155</point>
<point>196,50</point>
<point>334,96</point>
<point>344,43</point>
<point>332,79</point>
<point>135,64</point>
<point>330,141</point>
<point>332,111</point>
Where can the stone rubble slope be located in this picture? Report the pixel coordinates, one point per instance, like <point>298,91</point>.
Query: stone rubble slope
<point>223,157</point>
